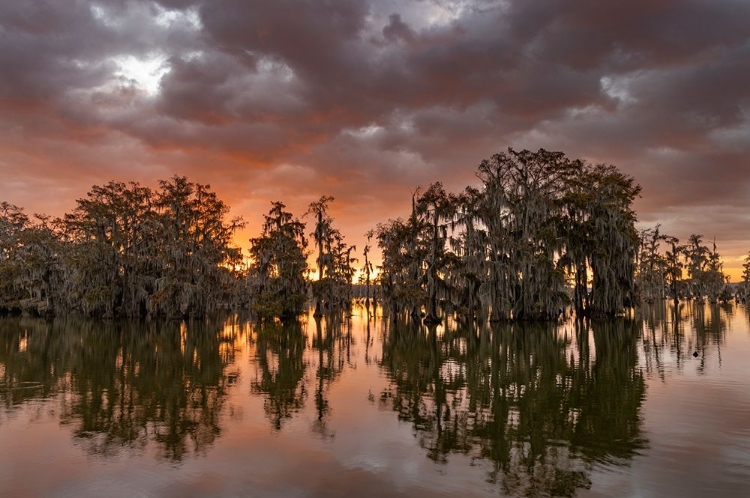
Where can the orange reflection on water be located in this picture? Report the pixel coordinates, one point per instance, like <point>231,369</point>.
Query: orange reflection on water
<point>358,404</point>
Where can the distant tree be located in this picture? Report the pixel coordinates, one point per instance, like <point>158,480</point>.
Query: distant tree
<point>402,274</point>
<point>715,279</point>
<point>696,258</point>
<point>333,289</point>
<point>745,285</point>
<point>659,271</point>
<point>321,235</point>
<point>674,266</point>
<point>651,278</point>
<point>279,265</point>
<point>705,269</point>
<point>367,269</point>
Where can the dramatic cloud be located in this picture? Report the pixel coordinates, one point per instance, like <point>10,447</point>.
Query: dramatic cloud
<point>366,100</point>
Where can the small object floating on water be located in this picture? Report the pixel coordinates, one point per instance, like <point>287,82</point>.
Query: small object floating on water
<point>695,354</point>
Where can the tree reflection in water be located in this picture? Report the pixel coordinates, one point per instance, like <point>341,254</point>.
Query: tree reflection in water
<point>530,398</point>
<point>282,359</point>
<point>333,340</point>
<point>122,385</point>
<point>539,406</point>
<point>673,335</point>
<point>281,364</point>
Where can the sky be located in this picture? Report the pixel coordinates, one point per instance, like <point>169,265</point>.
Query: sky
<point>365,100</point>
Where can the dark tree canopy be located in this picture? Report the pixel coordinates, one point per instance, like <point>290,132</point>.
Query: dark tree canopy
<point>277,274</point>
<point>125,250</point>
<point>507,249</point>
<point>333,288</point>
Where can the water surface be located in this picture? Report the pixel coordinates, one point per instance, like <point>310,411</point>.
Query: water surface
<point>655,406</point>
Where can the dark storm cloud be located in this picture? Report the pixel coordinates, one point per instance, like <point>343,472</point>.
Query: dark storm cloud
<point>368,99</point>
<point>398,30</point>
<point>624,36</point>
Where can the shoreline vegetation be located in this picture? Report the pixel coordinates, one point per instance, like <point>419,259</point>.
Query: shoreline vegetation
<point>541,233</point>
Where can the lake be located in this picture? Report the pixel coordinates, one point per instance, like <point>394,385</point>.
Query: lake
<point>357,406</point>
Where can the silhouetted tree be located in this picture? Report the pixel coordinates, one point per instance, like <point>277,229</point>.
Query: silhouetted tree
<point>705,270</point>
<point>333,289</point>
<point>279,265</point>
<point>651,278</point>
<point>132,251</point>
<point>112,250</point>
<point>197,253</point>
<point>367,269</point>
<point>745,286</point>
<point>31,270</point>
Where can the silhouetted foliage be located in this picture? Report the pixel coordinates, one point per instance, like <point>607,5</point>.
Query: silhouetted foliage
<point>505,250</point>
<point>277,274</point>
<point>125,250</point>
<point>333,288</point>
<point>745,286</point>
<point>539,233</point>
<point>660,274</point>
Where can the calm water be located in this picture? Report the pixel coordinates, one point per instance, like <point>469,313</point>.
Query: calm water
<point>362,408</point>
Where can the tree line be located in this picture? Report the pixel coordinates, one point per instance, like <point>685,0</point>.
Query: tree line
<point>539,233</point>
<point>125,250</point>
<point>131,251</point>
<point>693,270</point>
